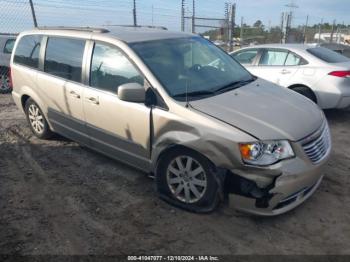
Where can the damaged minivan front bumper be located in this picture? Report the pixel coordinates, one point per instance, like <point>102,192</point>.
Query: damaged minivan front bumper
<point>276,189</point>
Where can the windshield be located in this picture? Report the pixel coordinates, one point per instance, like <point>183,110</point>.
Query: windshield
<point>327,55</point>
<point>192,65</point>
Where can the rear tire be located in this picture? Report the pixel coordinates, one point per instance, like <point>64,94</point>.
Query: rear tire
<point>307,92</point>
<point>37,121</point>
<point>187,180</point>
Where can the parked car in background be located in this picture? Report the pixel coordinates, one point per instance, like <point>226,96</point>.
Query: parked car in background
<point>316,72</point>
<point>6,45</point>
<point>339,48</point>
<point>154,100</point>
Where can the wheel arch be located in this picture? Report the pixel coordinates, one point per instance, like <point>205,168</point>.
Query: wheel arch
<point>292,87</point>
<point>24,99</point>
<point>173,147</point>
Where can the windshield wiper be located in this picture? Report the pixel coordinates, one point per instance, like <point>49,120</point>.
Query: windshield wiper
<point>195,93</point>
<point>234,85</point>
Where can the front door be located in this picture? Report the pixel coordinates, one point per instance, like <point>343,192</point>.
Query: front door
<point>117,128</point>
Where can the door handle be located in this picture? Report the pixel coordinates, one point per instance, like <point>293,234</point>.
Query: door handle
<point>93,100</point>
<point>285,71</point>
<point>74,94</point>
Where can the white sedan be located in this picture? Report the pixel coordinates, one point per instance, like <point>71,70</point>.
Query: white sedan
<point>318,73</point>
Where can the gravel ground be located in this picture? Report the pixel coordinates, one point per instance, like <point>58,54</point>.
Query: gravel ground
<point>59,198</point>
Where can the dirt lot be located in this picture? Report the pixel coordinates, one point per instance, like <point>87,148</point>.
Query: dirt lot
<point>59,198</point>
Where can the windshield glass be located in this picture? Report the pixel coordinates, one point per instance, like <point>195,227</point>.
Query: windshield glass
<point>327,55</point>
<point>193,63</point>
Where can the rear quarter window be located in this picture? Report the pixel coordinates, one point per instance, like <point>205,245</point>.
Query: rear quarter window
<point>327,55</point>
<point>27,51</point>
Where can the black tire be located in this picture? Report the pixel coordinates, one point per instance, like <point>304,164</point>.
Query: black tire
<point>305,91</point>
<point>5,86</point>
<point>44,131</point>
<point>210,198</point>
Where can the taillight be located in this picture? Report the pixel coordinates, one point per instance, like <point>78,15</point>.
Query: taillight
<point>10,78</point>
<point>340,74</point>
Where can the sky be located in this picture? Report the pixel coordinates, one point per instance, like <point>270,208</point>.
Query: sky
<point>15,14</point>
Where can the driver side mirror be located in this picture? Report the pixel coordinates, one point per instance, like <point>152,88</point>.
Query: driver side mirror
<point>132,92</point>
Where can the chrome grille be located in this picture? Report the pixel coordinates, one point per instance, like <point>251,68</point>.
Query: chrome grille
<point>318,145</point>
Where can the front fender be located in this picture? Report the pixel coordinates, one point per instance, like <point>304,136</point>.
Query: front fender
<point>206,138</point>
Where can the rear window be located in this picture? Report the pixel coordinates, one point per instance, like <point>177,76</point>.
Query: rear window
<point>64,58</point>
<point>9,46</point>
<point>27,51</point>
<point>327,55</point>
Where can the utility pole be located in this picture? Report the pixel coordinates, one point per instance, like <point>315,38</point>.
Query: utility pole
<point>182,15</point>
<point>152,15</point>
<point>287,19</point>
<point>282,27</point>
<point>320,31</point>
<point>193,16</point>
<point>33,13</point>
<point>333,28</point>
<point>241,33</point>
<point>305,27</point>
<point>134,13</point>
<point>292,6</point>
<point>227,22</point>
<point>288,26</point>
<point>232,25</point>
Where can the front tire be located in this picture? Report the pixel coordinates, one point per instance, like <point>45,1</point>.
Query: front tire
<point>36,120</point>
<point>187,180</point>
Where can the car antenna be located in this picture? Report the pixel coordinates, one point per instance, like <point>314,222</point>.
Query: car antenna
<point>187,102</point>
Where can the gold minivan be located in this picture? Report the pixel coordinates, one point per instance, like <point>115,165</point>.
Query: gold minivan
<point>174,105</point>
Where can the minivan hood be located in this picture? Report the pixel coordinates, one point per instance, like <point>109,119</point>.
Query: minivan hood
<point>265,111</point>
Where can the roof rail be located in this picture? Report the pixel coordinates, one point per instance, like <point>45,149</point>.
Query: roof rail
<point>85,29</point>
<point>140,26</point>
<point>8,34</point>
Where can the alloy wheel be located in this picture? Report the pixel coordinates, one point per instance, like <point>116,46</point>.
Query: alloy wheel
<point>186,179</point>
<point>36,119</point>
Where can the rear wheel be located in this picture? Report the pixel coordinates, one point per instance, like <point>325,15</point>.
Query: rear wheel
<point>36,120</point>
<point>5,84</point>
<point>186,179</point>
<point>305,91</point>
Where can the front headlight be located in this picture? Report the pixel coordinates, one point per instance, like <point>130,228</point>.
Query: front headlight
<point>264,153</point>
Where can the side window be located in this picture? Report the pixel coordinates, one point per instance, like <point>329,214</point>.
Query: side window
<point>246,57</point>
<point>9,46</point>
<point>110,68</point>
<point>27,51</point>
<point>273,58</point>
<point>64,58</point>
<point>293,59</point>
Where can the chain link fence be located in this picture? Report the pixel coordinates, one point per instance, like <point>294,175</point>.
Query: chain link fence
<point>219,24</point>
<point>15,16</point>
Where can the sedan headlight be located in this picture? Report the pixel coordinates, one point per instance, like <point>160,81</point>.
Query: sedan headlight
<point>264,153</point>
